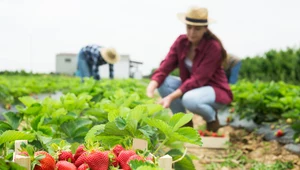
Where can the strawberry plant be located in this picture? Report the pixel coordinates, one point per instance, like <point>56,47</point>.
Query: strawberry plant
<point>107,114</point>
<point>265,102</point>
<point>294,120</point>
<point>158,133</point>
<point>5,96</point>
<point>14,86</point>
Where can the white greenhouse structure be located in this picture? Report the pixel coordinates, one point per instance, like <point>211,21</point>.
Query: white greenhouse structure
<point>66,63</point>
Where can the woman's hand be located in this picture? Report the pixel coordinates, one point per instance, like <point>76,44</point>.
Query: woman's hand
<point>166,101</point>
<point>151,87</point>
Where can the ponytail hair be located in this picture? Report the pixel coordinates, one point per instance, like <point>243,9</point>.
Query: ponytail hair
<point>210,35</point>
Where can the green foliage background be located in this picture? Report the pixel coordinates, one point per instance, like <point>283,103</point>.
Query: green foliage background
<point>274,65</point>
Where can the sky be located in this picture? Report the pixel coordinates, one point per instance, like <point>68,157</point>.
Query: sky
<point>32,32</point>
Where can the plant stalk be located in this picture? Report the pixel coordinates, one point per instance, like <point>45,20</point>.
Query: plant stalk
<point>160,146</point>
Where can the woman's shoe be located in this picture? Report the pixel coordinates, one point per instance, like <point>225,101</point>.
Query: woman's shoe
<point>214,125</point>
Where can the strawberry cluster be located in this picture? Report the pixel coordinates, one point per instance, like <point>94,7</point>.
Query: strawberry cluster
<point>85,159</point>
<point>209,133</point>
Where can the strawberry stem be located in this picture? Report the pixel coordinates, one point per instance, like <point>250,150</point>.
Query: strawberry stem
<point>161,145</point>
<point>179,159</point>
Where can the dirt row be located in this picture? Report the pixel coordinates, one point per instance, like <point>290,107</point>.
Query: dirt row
<point>243,147</point>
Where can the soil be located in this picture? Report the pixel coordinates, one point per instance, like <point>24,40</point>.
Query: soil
<point>244,145</point>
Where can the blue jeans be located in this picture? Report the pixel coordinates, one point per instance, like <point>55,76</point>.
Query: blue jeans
<point>200,101</point>
<point>234,73</point>
<point>83,68</point>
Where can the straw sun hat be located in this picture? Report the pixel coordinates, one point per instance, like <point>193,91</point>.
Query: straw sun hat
<point>109,55</point>
<point>195,16</point>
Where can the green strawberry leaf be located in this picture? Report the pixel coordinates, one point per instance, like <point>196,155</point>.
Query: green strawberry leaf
<point>91,135</point>
<point>42,138</point>
<point>12,119</point>
<point>147,130</point>
<point>112,115</point>
<point>12,135</point>
<point>110,141</point>
<point>135,164</point>
<point>134,117</point>
<point>187,134</point>
<point>20,108</point>
<point>148,168</point>
<point>45,130</point>
<point>133,97</point>
<point>36,121</point>
<point>161,125</point>
<point>124,111</point>
<point>100,114</point>
<point>65,118</point>
<point>33,109</point>
<point>4,127</point>
<point>27,100</point>
<point>180,119</point>
<point>163,115</point>
<point>153,108</point>
<point>68,128</point>
<point>112,129</point>
<point>186,163</point>
<point>132,126</point>
<point>108,106</point>
<point>120,123</point>
<point>81,132</point>
<point>59,113</point>
<point>7,165</point>
<point>137,113</point>
<point>71,128</point>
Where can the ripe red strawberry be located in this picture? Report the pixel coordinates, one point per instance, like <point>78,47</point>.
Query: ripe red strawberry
<point>112,158</point>
<point>150,158</point>
<point>279,133</point>
<point>214,134</point>
<point>135,157</point>
<point>47,163</point>
<point>65,165</point>
<point>66,156</point>
<point>81,159</point>
<point>98,160</point>
<point>83,167</point>
<point>207,133</point>
<point>117,149</point>
<point>79,151</point>
<point>123,158</point>
<point>201,133</point>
